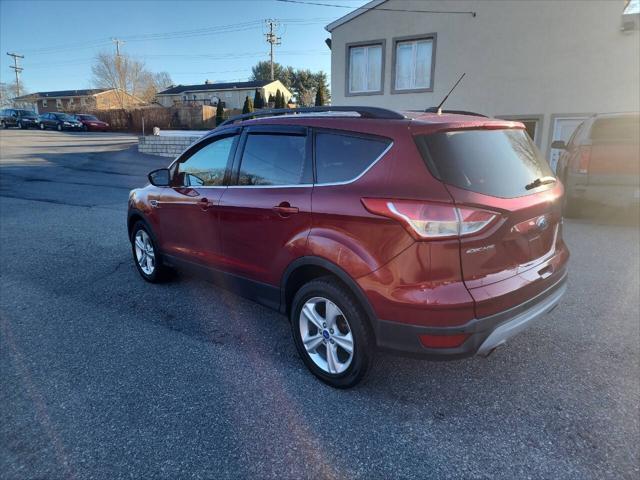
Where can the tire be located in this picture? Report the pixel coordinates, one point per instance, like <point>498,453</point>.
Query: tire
<point>4,125</point>
<point>42,127</point>
<point>345,370</point>
<point>158,273</point>
<point>20,126</point>
<point>59,127</point>
<point>85,128</point>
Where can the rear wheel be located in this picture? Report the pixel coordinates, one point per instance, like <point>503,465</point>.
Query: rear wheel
<point>331,333</point>
<point>4,124</point>
<point>59,127</point>
<point>145,254</point>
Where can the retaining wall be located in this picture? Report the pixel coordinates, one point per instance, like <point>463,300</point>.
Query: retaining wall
<point>166,146</point>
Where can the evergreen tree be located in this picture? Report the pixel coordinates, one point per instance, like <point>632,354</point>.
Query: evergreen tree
<point>320,93</point>
<point>258,99</point>
<point>272,99</point>
<point>219,113</point>
<point>280,99</point>
<point>248,105</point>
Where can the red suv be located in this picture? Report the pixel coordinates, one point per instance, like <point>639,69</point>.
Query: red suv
<point>431,234</point>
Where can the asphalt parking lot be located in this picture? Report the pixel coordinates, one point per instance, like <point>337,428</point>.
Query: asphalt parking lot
<point>104,376</point>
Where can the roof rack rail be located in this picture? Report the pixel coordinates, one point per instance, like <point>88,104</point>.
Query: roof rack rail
<point>364,112</point>
<point>455,112</point>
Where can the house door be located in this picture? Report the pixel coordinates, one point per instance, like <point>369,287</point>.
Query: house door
<point>563,128</point>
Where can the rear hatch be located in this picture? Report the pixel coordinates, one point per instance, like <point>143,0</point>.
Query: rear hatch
<point>501,171</point>
<point>614,153</point>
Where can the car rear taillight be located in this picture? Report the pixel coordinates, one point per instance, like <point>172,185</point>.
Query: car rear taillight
<point>428,221</point>
<point>585,156</point>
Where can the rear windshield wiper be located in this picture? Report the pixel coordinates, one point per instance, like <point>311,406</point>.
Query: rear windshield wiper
<point>540,181</point>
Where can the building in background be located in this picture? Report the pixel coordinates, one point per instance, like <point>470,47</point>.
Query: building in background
<point>548,64</point>
<point>78,100</point>
<point>232,94</point>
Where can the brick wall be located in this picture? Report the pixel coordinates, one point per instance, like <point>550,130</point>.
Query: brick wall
<point>165,146</point>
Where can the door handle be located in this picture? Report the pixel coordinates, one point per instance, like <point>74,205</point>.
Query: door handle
<point>285,209</point>
<point>205,204</point>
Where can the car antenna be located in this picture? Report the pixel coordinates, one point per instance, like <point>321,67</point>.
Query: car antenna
<point>439,107</point>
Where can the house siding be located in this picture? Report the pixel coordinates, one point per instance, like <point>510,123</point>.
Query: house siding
<point>524,59</point>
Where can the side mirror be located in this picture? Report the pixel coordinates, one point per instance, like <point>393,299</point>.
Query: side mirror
<point>159,178</point>
<point>559,145</point>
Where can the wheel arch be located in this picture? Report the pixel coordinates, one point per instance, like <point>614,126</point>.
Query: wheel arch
<point>307,268</point>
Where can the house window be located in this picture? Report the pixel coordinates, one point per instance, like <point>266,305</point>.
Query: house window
<point>44,104</point>
<point>58,103</point>
<point>83,101</point>
<point>365,68</point>
<point>413,64</point>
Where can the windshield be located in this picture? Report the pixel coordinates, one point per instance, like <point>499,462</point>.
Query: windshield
<point>26,113</point>
<point>500,163</point>
<point>63,116</point>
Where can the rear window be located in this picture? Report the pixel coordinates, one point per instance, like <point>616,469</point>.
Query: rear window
<point>341,158</point>
<point>616,129</point>
<point>500,163</point>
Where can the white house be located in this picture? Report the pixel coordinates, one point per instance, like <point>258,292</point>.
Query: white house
<point>232,94</point>
<point>547,63</point>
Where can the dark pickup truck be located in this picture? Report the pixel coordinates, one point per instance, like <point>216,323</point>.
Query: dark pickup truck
<point>601,163</point>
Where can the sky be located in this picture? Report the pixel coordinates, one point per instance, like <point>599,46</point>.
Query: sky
<point>218,40</point>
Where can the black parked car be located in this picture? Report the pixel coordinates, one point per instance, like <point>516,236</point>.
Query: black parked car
<point>58,120</point>
<point>15,117</point>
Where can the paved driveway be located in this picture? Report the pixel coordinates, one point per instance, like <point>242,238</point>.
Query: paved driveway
<point>105,376</point>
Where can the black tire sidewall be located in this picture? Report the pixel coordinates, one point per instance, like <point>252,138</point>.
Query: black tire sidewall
<point>156,276</point>
<point>363,337</point>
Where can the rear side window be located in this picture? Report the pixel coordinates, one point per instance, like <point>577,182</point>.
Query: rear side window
<point>341,158</point>
<point>275,159</point>
<point>626,129</point>
<point>500,163</point>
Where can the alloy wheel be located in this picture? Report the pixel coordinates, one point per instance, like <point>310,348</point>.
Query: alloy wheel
<point>326,335</point>
<point>145,254</point>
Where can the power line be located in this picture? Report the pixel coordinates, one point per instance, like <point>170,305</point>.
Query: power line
<point>16,69</point>
<point>379,9</point>
<point>272,40</point>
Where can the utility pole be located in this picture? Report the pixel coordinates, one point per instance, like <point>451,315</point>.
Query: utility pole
<point>17,69</point>
<point>272,39</point>
<point>118,42</point>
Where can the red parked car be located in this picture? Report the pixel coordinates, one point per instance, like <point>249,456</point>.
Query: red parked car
<point>601,162</point>
<point>91,123</point>
<point>431,234</point>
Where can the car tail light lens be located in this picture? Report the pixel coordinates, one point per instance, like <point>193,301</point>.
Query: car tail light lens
<point>585,156</point>
<point>443,341</point>
<point>426,221</point>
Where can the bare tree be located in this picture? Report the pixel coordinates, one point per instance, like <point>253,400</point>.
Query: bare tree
<point>8,91</point>
<point>127,75</point>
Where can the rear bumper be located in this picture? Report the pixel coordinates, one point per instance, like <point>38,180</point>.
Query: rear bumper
<point>484,334</point>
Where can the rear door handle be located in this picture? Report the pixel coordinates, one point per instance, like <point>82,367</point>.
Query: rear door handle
<point>285,209</point>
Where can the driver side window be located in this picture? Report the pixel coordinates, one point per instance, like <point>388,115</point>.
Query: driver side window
<point>207,166</point>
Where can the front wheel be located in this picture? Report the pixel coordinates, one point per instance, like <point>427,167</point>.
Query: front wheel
<point>331,333</point>
<point>145,254</point>
<point>85,128</point>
